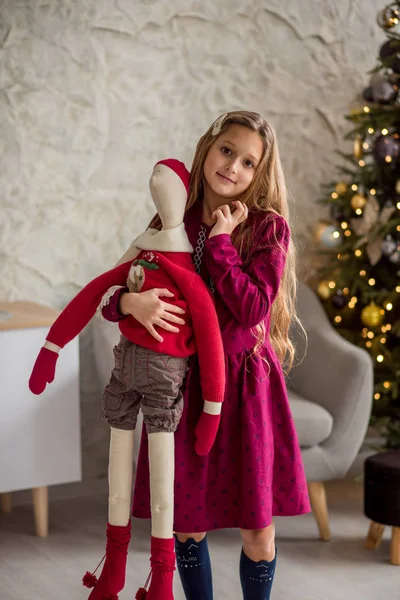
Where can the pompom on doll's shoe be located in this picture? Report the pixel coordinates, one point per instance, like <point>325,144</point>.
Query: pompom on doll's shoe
<point>163,565</point>
<point>141,594</point>
<point>112,578</point>
<point>89,580</point>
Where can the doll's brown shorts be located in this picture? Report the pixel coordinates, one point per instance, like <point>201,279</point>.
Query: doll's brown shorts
<point>148,380</point>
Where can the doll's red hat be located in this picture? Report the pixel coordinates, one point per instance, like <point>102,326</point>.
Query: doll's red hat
<point>179,168</point>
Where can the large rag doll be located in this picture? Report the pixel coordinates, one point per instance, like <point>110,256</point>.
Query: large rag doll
<point>148,374</point>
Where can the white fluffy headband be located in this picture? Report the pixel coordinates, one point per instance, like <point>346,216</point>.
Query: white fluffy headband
<point>218,125</point>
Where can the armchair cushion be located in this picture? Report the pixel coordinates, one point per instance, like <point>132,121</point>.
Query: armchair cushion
<point>313,422</point>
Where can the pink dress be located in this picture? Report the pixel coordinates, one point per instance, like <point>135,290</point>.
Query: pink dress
<point>254,470</point>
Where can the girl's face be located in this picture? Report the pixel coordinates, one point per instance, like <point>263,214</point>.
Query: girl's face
<point>231,162</point>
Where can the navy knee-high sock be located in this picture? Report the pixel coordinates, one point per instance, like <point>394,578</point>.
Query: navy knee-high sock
<point>194,566</point>
<point>256,577</point>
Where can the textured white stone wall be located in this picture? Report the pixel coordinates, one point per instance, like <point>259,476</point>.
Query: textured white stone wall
<point>93,92</point>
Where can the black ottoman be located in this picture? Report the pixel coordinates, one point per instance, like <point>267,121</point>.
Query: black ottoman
<point>382,499</point>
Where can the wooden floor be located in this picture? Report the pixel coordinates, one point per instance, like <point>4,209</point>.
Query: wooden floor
<point>51,568</point>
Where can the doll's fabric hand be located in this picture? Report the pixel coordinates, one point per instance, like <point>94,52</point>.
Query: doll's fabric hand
<point>228,221</point>
<point>206,432</point>
<point>43,371</point>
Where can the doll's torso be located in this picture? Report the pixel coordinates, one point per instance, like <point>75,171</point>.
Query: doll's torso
<point>147,272</point>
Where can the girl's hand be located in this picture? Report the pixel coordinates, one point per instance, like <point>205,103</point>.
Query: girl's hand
<point>150,310</point>
<point>228,221</point>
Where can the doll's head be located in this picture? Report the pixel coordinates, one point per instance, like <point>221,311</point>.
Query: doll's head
<point>169,186</point>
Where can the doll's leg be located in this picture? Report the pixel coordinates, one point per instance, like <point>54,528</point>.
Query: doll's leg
<point>162,405</point>
<point>112,578</point>
<point>120,475</point>
<point>120,407</point>
<point>162,470</point>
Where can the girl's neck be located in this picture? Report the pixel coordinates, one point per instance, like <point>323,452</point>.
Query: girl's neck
<point>207,214</point>
<point>210,203</point>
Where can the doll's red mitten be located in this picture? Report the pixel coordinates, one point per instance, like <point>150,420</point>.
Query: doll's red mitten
<point>43,370</point>
<point>206,432</point>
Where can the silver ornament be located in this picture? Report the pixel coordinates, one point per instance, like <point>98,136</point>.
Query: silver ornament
<point>389,246</point>
<point>395,258</point>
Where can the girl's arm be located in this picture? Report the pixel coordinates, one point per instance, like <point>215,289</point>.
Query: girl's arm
<point>248,292</point>
<point>111,311</point>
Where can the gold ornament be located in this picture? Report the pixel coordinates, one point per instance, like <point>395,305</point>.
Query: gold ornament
<point>356,108</point>
<point>355,111</point>
<point>358,147</point>
<point>398,186</point>
<point>388,18</point>
<point>341,187</point>
<point>358,201</point>
<point>324,290</point>
<point>371,315</point>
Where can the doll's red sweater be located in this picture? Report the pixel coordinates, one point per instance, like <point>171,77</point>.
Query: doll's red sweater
<point>200,333</point>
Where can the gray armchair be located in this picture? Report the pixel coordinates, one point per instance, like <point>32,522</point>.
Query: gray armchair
<point>330,392</point>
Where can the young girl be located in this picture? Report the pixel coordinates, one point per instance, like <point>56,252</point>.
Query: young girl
<point>237,221</point>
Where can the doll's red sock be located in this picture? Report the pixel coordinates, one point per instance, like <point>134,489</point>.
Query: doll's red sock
<point>112,578</point>
<point>162,571</point>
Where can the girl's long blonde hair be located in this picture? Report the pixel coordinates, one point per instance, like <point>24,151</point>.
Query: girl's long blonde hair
<point>267,194</point>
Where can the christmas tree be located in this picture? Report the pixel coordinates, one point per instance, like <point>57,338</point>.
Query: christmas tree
<point>359,272</point>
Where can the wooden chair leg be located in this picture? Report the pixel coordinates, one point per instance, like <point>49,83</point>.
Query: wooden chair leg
<point>317,493</point>
<point>374,536</point>
<point>6,502</point>
<point>395,546</point>
<point>41,510</point>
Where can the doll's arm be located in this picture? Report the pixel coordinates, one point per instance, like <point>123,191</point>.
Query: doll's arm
<point>78,312</point>
<point>75,316</point>
<point>206,327</point>
<point>249,291</point>
<point>207,334</point>
<point>212,367</point>
<point>210,354</point>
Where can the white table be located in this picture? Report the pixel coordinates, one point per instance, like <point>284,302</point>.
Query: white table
<point>40,439</point>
